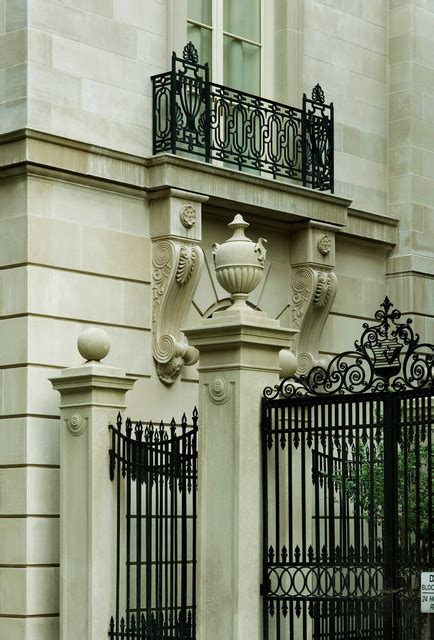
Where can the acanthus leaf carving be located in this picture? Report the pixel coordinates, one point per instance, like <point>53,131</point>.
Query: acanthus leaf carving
<point>313,294</point>
<point>176,267</point>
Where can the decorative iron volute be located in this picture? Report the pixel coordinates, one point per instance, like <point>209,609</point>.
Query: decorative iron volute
<point>388,357</point>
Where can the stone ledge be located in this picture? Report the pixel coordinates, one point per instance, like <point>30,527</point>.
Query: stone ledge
<point>29,152</point>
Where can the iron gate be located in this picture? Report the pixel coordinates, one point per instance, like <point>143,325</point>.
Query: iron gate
<point>348,492</point>
<point>155,470</point>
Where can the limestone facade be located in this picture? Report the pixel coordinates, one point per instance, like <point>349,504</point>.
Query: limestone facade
<point>83,204</point>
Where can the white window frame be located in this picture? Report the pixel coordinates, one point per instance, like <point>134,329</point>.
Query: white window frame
<point>218,33</point>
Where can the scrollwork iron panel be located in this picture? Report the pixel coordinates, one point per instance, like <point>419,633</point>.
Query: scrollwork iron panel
<point>195,116</point>
<point>388,357</point>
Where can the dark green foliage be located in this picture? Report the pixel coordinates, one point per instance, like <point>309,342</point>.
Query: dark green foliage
<point>368,489</point>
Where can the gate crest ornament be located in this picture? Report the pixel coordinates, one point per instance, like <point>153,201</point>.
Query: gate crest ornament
<point>388,357</point>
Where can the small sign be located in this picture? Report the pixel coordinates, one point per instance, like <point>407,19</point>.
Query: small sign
<point>427,593</point>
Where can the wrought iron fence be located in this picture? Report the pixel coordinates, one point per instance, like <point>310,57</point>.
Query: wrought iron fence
<point>155,471</point>
<point>195,116</point>
<point>348,491</point>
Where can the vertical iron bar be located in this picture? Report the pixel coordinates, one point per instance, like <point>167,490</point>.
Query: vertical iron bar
<point>303,482</point>
<point>332,148</point>
<point>277,504</point>
<point>128,528</point>
<point>304,142</point>
<point>184,527</point>
<point>264,429</point>
<point>390,515</point>
<point>207,115</point>
<point>430,410</point>
<point>144,474</point>
<point>118,521</point>
<point>173,568</point>
<point>415,410</point>
<point>276,480</point>
<point>194,536</point>
<point>173,92</point>
<point>154,117</point>
<point>166,533</point>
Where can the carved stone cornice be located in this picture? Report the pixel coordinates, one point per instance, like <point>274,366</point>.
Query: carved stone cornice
<point>313,293</point>
<point>176,268</point>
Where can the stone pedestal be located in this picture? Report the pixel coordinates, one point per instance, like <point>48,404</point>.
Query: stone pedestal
<point>239,356</point>
<point>91,397</point>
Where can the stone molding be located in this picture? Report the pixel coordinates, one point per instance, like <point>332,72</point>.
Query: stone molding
<point>176,268</point>
<point>313,293</point>
<point>30,152</point>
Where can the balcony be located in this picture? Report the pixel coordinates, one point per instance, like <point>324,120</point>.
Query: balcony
<point>193,116</point>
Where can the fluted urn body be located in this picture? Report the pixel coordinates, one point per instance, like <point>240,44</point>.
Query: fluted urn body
<point>239,262</point>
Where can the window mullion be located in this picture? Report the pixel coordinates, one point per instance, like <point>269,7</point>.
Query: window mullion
<point>267,19</point>
<point>217,41</point>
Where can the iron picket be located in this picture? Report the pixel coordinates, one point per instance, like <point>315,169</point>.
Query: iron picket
<point>154,467</point>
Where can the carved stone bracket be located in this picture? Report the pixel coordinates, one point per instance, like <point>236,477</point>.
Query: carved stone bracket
<point>313,293</point>
<point>176,268</point>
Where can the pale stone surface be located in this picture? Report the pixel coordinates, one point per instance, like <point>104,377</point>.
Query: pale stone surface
<point>34,628</point>
<point>239,355</point>
<point>95,60</point>
<point>29,490</point>
<point>29,441</point>
<point>97,393</point>
<point>345,46</point>
<point>33,540</point>
<point>30,591</point>
<point>411,181</point>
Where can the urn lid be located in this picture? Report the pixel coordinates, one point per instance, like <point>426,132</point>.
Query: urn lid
<point>238,224</point>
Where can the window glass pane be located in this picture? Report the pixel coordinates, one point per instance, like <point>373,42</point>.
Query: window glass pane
<point>200,10</point>
<point>201,38</point>
<point>243,18</point>
<point>242,66</point>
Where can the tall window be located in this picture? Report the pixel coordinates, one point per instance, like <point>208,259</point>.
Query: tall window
<point>228,35</point>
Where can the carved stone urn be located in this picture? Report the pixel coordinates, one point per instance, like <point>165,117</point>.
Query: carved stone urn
<point>239,262</point>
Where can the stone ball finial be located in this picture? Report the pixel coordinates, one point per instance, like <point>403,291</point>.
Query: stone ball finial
<point>239,262</point>
<point>93,344</point>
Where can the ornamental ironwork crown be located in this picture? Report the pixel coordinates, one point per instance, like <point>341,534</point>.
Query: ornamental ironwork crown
<point>388,357</point>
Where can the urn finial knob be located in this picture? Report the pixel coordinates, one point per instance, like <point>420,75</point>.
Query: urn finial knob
<point>239,262</point>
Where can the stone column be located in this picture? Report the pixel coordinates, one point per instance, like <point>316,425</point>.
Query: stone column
<point>239,356</point>
<point>91,397</point>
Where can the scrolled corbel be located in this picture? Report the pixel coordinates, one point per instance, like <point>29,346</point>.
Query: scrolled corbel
<point>313,293</point>
<point>176,268</point>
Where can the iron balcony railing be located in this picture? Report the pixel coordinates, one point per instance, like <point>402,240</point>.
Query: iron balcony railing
<point>192,115</point>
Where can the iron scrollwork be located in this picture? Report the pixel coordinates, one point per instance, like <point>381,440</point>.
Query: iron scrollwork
<point>194,115</point>
<point>388,357</point>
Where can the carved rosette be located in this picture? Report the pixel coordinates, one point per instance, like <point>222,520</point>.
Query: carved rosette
<point>187,215</point>
<point>313,293</point>
<point>220,391</point>
<point>176,268</point>
<point>324,245</point>
<point>76,424</point>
